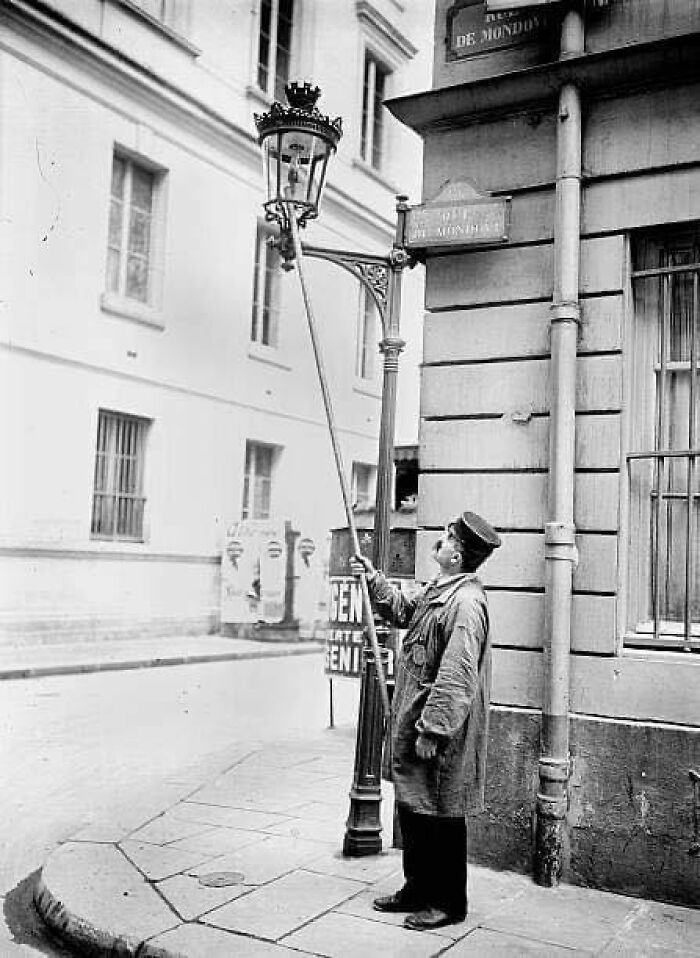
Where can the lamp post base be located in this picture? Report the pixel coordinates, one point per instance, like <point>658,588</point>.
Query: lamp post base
<point>364,825</point>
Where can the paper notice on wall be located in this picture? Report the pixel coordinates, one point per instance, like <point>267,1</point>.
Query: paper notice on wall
<point>309,580</point>
<point>253,570</point>
<point>273,567</point>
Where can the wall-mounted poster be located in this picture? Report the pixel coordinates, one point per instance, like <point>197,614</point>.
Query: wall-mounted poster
<point>253,568</point>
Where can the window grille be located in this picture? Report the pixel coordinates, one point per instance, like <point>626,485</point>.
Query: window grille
<point>275,46</point>
<point>266,291</point>
<point>131,220</point>
<point>118,501</point>
<point>663,469</point>
<point>373,93</point>
<point>257,480</point>
<point>366,355</point>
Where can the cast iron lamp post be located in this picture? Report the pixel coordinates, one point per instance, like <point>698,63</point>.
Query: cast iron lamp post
<point>297,142</point>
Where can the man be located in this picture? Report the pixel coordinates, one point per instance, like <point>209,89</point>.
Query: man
<point>439,720</point>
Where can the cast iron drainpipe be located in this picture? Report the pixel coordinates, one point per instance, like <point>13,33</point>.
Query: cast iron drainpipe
<point>559,539</point>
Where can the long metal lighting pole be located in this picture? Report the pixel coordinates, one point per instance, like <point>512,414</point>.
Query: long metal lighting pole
<point>367,605</point>
<point>364,826</point>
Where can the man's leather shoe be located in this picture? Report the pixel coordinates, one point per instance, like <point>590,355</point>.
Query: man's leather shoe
<point>397,902</point>
<point>430,918</point>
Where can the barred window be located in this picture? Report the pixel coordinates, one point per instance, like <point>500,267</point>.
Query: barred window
<point>373,115</point>
<point>266,290</point>
<point>663,466</point>
<point>118,501</point>
<point>275,46</point>
<point>130,253</point>
<point>257,480</point>
<point>367,338</point>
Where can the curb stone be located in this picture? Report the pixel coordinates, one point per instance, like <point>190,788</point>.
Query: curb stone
<point>82,668</point>
<point>84,937</point>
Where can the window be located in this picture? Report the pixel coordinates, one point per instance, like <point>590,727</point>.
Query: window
<point>663,465</point>
<point>118,501</point>
<point>130,247</point>
<point>257,480</point>
<point>373,116</point>
<point>366,354</point>
<point>266,290</point>
<point>363,485</point>
<point>275,46</point>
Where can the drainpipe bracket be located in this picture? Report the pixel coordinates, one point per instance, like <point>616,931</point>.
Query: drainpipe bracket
<point>560,542</point>
<point>554,769</point>
<point>554,810</point>
<point>565,313</point>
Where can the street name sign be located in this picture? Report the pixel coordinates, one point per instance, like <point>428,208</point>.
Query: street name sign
<point>458,216</point>
<point>473,29</point>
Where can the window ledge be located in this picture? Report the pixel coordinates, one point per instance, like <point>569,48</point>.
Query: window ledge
<point>267,354</point>
<point>374,174</point>
<point>132,310</point>
<point>365,387</point>
<point>636,643</point>
<point>160,27</point>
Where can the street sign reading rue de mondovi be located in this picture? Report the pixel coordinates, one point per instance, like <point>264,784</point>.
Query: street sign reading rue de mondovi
<point>458,216</point>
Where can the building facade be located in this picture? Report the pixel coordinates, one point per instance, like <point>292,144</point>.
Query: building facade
<point>560,398</point>
<point>157,379</point>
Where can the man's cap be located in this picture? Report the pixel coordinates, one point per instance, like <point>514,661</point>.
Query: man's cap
<point>475,534</point>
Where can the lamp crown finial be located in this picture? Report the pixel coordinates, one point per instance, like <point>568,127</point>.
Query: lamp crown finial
<point>302,96</point>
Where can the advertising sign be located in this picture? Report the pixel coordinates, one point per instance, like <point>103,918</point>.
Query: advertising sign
<point>344,638</point>
<point>253,572</point>
<point>473,30</point>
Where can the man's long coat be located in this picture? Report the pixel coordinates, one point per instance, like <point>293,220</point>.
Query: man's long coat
<point>443,683</point>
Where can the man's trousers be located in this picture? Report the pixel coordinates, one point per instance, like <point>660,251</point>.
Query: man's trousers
<point>435,860</point>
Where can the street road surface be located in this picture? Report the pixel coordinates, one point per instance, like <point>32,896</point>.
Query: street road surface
<point>123,745</point>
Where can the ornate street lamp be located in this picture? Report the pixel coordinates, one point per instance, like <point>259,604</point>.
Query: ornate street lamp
<point>297,142</point>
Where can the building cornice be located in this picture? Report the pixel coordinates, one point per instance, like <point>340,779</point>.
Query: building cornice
<point>39,20</point>
<point>400,44</point>
<point>662,62</point>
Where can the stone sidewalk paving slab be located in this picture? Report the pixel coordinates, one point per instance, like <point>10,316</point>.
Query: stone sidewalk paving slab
<point>312,831</point>
<point>229,817</point>
<point>263,862</point>
<point>360,906</point>
<point>344,936</point>
<point>283,906</point>
<point>166,829</point>
<point>482,943</point>
<point>219,841</point>
<point>657,929</point>
<point>191,899</point>
<point>112,896</point>
<point>368,868</point>
<point>158,862</point>
<point>568,916</point>
<point>202,941</point>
